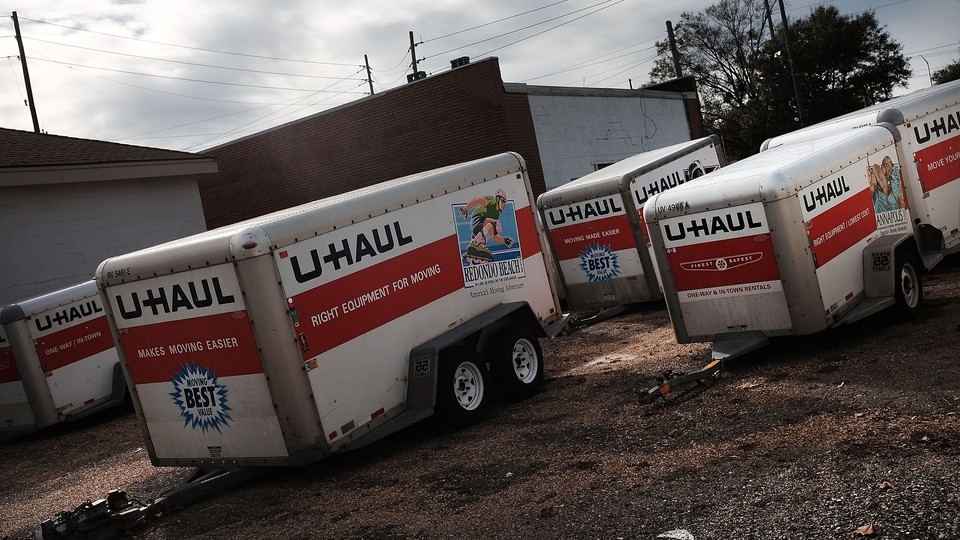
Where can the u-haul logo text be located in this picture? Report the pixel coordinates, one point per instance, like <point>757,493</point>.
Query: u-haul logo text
<point>671,180</point>
<point>583,211</point>
<point>937,128</point>
<point>171,299</point>
<point>349,251</point>
<point>824,193</point>
<point>67,316</point>
<point>705,227</point>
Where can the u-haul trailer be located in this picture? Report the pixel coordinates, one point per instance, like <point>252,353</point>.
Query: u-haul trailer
<point>282,339</point>
<point>928,123</point>
<point>789,241</point>
<point>595,223</point>
<point>58,360</point>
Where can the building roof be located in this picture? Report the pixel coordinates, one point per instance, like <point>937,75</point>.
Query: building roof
<point>29,149</point>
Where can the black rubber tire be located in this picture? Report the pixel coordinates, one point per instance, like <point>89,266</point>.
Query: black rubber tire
<point>517,362</point>
<point>908,289</point>
<point>463,387</point>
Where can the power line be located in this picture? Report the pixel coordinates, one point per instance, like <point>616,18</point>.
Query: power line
<point>187,79</point>
<point>528,27</point>
<point>185,62</point>
<point>491,22</point>
<point>255,121</point>
<point>188,46</point>
<point>594,61</point>
<point>555,27</point>
<point>144,87</point>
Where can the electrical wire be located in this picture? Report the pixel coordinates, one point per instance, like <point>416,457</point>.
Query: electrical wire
<point>490,23</point>
<point>188,46</point>
<point>555,27</point>
<point>187,79</point>
<point>528,27</point>
<point>255,121</point>
<point>197,64</point>
<point>144,87</point>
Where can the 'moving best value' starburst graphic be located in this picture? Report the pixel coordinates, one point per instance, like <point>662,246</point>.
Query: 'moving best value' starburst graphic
<point>202,400</point>
<point>599,263</point>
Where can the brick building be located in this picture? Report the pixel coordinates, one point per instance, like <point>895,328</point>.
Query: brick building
<point>462,114</point>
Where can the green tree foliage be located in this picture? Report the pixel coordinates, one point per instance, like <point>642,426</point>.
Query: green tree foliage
<point>950,72</point>
<point>841,63</point>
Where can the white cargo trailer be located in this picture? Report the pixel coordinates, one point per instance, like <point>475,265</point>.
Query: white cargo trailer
<point>789,241</point>
<point>282,339</point>
<point>928,123</point>
<point>60,363</point>
<point>595,223</point>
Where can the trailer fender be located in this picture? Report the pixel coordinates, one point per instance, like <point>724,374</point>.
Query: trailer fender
<point>880,265</point>
<point>425,358</point>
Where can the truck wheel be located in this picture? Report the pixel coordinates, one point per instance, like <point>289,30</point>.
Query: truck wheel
<point>908,291</point>
<point>462,398</point>
<point>517,362</point>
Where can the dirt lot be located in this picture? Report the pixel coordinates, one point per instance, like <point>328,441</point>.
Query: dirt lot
<point>850,433</point>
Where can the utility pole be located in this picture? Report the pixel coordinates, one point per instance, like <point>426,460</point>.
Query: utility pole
<point>766,6</point>
<point>413,53</point>
<point>673,50</point>
<point>26,74</point>
<point>929,76</point>
<point>793,74</point>
<point>366,61</point>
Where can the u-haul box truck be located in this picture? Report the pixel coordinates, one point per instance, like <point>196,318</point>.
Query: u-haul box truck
<point>282,339</point>
<point>595,223</point>
<point>789,241</point>
<point>928,122</point>
<point>58,360</point>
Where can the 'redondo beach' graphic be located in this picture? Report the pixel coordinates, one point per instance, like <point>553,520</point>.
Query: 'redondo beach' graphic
<point>489,239</point>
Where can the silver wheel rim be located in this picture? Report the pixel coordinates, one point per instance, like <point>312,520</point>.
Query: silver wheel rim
<point>468,385</point>
<point>525,361</point>
<point>908,286</point>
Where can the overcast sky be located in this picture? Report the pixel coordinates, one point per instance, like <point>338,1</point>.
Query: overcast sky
<point>193,75</point>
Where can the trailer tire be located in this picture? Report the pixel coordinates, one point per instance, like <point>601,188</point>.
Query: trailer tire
<point>908,290</point>
<point>462,387</point>
<point>517,362</point>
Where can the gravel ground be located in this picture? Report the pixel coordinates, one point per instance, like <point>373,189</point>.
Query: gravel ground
<point>851,433</point>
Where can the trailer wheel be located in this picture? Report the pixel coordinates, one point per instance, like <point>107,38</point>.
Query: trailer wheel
<point>462,397</point>
<point>517,362</point>
<point>908,291</point>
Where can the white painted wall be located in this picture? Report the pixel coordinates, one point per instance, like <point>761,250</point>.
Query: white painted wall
<point>55,235</point>
<point>577,132</point>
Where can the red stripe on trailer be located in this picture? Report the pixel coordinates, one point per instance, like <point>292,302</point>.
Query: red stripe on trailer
<point>8,367</point>
<point>735,261</point>
<point>569,241</point>
<point>529,239</point>
<point>223,342</point>
<point>341,310</point>
<point>377,413</point>
<point>939,164</point>
<point>331,314</point>
<point>73,344</point>
<point>836,229</point>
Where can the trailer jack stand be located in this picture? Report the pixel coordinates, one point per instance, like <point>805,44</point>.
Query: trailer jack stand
<point>669,380</point>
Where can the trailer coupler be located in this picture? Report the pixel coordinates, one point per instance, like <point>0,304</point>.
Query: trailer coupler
<point>669,380</point>
<point>118,515</point>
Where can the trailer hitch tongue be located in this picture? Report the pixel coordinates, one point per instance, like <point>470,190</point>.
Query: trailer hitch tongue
<point>669,379</point>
